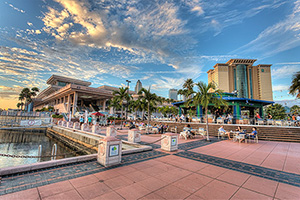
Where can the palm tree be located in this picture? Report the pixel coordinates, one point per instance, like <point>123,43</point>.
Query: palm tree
<point>27,94</point>
<point>121,96</point>
<point>18,105</point>
<point>187,88</point>
<point>150,98</point>
<point>295,87</point>
<point>204,97</point>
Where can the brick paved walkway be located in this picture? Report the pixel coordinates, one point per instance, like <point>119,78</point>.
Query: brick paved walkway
<point>198,170</point>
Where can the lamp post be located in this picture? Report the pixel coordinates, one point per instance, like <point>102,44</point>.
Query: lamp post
<point>128,82</point>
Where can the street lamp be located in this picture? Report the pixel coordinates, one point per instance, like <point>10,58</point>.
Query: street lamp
<point>127,101</point>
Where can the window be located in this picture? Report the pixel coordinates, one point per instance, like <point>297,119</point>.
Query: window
<point>61,83</point>
<point>262,70</point>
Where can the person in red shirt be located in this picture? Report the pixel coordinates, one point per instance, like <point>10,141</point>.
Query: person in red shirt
<point>257,115</point>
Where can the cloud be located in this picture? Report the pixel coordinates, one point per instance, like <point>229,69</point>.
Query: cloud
<point>280,87</point>
<point>284,71</point>
<point>277,38</point>
<point>29,24</point>
<point>17,9</point>
<point>167,83</point>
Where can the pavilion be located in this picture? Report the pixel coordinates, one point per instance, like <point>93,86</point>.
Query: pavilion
<point>235,103</point>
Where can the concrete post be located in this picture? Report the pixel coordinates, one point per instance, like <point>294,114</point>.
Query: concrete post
<point>70,124</point>
<point>170,142</point>
<point>85,127</point>
<point>109,151</point>
<point>64,124</point>
<point>96,129</point>
<point>59,123</point>
<point>134,136</point>
<point>76,125</point>
<point>110,131</point>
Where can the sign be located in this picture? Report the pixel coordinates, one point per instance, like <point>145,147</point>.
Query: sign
<point>173,143</point>
<point>113,150</point>
<point>31,123</point>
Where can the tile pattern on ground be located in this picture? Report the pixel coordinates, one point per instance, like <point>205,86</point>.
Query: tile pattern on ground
<point>23,181</point>
<point>196,144</point>
<point>267,173</point>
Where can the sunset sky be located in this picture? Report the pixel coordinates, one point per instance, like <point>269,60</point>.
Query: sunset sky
<point>162,43</point>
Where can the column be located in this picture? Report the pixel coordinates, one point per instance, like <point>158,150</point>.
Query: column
<point>69,103</point>
<point>74,103</point>
<point>104,105</point>
<point>261,112</point>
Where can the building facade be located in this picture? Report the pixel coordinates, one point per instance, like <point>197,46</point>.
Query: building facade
<point>72,95</point>
<point>173,94</point>
<point>138,86</point>
<point>241,76</point>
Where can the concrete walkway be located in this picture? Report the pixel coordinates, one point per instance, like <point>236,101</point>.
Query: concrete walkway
<point>198,170</point>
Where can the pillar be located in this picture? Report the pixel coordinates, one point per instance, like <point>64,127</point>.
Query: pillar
<point>69,104</point>
<point>110,131</point>
<point>134,136</point>
<point>261,112</point>
<point>104,105</point>
<point>170,142</point>
<point>74,102</point>
<point>109,151</point>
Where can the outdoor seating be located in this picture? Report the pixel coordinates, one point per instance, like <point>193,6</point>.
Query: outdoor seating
<point>219,120</point>
<point>221,134</point>
<point>260,122</point>
<point>270,122</point>
<point>278,123</point>
<point>201,132</point>
<point>241,121</point>
<point>252,137</point>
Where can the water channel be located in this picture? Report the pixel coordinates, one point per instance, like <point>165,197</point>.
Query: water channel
<point>27,143</point>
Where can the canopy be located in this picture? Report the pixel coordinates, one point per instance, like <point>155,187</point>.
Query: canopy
<point>98,114</point>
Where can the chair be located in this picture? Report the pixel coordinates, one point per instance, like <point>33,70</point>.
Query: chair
<point>252,137</point>
<point>246,121</point>
<point>270,122</point>
<point>260,122</point>
<point>201,131</point>
<point>241,121</point>
<point>221,133</point>
<point>183,134</point>
<point>219,120</point>
<point>278,123</point>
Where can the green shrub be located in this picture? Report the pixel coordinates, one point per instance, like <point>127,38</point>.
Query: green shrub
<point>57,116</point>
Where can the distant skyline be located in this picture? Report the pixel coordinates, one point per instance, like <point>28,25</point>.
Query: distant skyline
<point>161,43</point>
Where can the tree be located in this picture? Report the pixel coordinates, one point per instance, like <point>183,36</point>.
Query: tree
<point>27,94</point>
<point>18,105</point>
<point>205,98</point>
<point>295,87</point>
<point>187,88</point>
<point>295,109</point>
<point>277,111</point>
<point>121,96</point>
<point>150,98</point>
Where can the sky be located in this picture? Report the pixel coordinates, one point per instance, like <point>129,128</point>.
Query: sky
<point>161,43</point>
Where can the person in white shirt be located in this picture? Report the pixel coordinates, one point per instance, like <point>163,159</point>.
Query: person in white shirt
<point>222,131</point>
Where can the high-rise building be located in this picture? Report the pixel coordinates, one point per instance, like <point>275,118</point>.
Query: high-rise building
<point>173,94</point>
<point>240,75</point>
<point>138,86</point>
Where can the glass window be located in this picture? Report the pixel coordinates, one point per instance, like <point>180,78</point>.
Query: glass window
<point>262,70</point>
<point>61,83</point>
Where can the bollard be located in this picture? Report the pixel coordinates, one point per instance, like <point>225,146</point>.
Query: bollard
<point>59,123</point>
<point>70,124</point>
<point>76,126</point>
<point>109,151</point>
<point>96,129</point>
<point>85,127</point>
<point>170,142</point>
<point>134,136</point>
<point>110,131</point>
<point>64,124</point>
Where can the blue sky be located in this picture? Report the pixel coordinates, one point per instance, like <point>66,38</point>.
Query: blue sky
<point>162,43</point>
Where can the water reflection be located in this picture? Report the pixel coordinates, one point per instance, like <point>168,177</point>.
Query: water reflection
<point>27,143</point>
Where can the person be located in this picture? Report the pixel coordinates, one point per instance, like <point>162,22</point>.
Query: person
<point>90,120</point>
<point>293,117</point>
<point>241,133</point>
<point>222,130</point>
<point>257,116</point>
<point>81,120</point>
<point>188,130</point>
<point>253,133</point>
<point>298,120</point>
<point>269,116</point>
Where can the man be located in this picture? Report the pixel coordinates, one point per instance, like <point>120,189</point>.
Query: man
<point>253,133</point>
<point>81,120</point>
<point>222,131</point>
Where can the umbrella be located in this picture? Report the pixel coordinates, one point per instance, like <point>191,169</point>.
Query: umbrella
<point>97,114</point>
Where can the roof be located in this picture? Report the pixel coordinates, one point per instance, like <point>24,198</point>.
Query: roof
<point>54,78</point>
<point>228,98</point>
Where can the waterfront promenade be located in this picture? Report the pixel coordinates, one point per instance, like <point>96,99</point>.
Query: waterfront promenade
<point>219,169</point>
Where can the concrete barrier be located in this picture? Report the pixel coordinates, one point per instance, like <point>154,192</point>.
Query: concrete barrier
<point>96,129</point>
<point>170,142</point>
<point>70,124</point>
<point>76,126</point>
<point>134,136</point>
<point>85,127</point>
<point>64,124</point>
<point>109,151</point>
<point>111,131</point>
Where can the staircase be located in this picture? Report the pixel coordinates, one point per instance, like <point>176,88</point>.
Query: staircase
<point>270,133</point>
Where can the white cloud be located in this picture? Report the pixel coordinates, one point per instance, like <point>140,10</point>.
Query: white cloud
<point>284,71</point>
<point>280,87</point>
<point>17,9</point>
<point>277,38</point>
